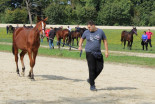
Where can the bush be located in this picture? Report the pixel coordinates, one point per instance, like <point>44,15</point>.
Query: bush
<point>16,16</point>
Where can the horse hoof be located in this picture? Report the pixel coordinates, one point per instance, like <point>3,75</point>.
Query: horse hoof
<point>23,74</point>
<point>32,79</point>
<point>29,76</point>
<point>18,74</point>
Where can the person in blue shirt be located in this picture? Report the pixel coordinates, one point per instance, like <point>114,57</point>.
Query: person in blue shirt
<point>144,40</point>
<point>94,36</point>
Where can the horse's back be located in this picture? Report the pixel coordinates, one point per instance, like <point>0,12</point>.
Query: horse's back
<point>20,37</point>
<point>59,33</point>
<point>123,35</point>
<point>126,36</point>
<point>65,32</point>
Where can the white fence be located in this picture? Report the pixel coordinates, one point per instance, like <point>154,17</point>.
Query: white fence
<point>73,26</point>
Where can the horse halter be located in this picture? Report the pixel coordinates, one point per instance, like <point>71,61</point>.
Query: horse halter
<point>43,30</point>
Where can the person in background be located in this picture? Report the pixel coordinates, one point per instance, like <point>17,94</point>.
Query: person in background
<point>144,40</point>
<point>47,34</point>
<point>77,28</point>
<point>51,38</point>
<point>70,29</point>
<point>149,35</point>
<point>94,57</point>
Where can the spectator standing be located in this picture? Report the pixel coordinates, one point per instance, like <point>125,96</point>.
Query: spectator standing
<point>149,35</point>
<point>144,40</point>
<point>47,34</point>
<point>51,38</point>
<point>70,29</point>
<point>77,28</point>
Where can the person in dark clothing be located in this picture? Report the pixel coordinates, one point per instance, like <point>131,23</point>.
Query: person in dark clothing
<point>94,57</point>
<point>149,35</point>
<point>51,38</point>
<point>77,28</point>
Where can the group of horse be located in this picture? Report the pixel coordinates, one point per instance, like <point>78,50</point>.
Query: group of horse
<point>68,36</point>
<point>28,41</point>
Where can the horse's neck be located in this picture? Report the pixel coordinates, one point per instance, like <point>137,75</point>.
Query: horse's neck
<point>36,30</point>
<point>131,32</point>
<point>36,33</point>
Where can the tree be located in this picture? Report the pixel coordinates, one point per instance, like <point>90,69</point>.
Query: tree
<point>115,13</point>
<point>16,16</point>
<point>28,6</point>
<point>55,13</point>
<point>152,18</point>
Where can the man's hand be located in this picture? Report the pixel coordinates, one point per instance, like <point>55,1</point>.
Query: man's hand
<point>80,48</point>
<point>106,54</point>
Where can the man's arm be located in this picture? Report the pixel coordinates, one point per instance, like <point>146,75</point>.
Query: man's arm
<point>106,48</point>
<point>80,44</point>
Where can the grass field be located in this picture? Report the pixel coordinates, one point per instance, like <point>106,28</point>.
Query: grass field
<point>114,44</point>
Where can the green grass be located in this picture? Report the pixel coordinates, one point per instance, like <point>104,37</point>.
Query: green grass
<point>142,61</point>
<point>114,44</point>
<point>113,37</point>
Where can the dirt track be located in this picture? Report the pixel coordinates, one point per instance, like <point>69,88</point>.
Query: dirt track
<point>63,81</point>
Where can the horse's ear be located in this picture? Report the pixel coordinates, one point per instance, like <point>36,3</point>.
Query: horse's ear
<point>46,19</point>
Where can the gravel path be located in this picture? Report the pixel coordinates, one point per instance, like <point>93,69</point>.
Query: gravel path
<point>63,81</point>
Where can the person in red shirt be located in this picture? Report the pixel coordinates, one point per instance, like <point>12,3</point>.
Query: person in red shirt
<point>149,34</point>
<point>47,34</point>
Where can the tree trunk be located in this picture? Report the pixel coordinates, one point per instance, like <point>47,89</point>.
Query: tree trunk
<point>28,10</point>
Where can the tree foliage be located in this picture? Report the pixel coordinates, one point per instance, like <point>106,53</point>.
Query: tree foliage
<point>16,16</point>
<point>103,12</point>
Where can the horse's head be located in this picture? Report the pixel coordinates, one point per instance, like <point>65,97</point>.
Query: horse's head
<point>134,30</point>
<point>41,24</point>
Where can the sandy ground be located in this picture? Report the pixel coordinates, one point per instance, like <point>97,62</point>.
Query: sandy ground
<point>63,81</point>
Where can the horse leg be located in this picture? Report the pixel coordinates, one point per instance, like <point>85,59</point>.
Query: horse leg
<point>73,42</point>
<point>31,76</point>
<point>63,41</point>
<point>124,44</point>
<point>58,43</point>
<point>131,45</point>
<point>22,62</point>
<point>16,59</point>
<point>34,60</point>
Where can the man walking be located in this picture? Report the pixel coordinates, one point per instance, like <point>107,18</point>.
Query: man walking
<point>94,56</point>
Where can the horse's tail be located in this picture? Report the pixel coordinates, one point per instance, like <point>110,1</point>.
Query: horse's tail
<point>13,50</point>
<point>122,36</point>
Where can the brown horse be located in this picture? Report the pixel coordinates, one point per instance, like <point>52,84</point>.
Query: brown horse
<point>28,40</point>
<point>74,35</point>
<point>128,36</point>
<point>62,34</point>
